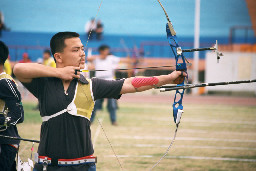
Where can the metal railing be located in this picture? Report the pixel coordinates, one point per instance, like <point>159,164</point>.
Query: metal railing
<point>246,38</point>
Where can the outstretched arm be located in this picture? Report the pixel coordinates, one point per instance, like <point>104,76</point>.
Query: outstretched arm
<point>25,72</point>
<point>137,84</point>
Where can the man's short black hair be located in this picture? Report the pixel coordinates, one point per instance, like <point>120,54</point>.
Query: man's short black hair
<point>4,52</point>
<point>58,41</point>
<point>47,51</point>
<point>103,47</point>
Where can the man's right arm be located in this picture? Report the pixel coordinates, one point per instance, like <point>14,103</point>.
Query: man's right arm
<point>25,72</point>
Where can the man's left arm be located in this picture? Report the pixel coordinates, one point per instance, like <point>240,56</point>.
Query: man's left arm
<point>115,88</point>
<point>138,84</point>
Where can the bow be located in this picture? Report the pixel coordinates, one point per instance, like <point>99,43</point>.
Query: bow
<point>181,64</point>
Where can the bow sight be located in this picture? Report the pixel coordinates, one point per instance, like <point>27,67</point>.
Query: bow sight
<point>214,48</point>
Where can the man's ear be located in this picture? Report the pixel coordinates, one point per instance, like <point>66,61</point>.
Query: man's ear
<point>58,58</point>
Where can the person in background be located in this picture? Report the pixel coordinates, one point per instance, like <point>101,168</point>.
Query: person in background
<point>23,90</point>
<point>39,60</point>
<point>2,25</point>
<point>105,61</point>
<point>99,30</point>
<point>90,26</point>
<point>25,58</point>
<point>11,113</point>
<point>48,60</point>
<point>7,66</point>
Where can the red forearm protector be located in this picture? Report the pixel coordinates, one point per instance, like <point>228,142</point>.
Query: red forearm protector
<point>139,82</point>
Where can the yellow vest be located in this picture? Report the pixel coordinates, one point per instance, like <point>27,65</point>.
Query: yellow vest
<point>49,62</point>
<point>82,104</point>
<point>7,67</point>
<point>83,100</point>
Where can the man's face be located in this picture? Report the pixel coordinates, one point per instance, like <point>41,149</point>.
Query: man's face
<point>73,54</point>
<point>46,56</point>
<point>104,53</point>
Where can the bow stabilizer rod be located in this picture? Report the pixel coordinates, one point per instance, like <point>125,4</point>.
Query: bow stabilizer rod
<point>198,49</point>
<point>176,87</point>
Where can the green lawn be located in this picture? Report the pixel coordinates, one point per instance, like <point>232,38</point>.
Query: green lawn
<point>210,137</point>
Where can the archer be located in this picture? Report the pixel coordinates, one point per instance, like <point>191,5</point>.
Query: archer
<point>66,101</point>
<point>11,113</point>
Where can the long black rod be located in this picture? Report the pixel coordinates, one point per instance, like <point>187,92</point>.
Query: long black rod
<point>175,87</point>
<point>198,49</point>
<point>18,138</point>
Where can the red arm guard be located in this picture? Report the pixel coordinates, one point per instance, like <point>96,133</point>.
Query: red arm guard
<point>139,82</point>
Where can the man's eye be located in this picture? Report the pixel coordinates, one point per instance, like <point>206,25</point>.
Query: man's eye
<point>75,50</point>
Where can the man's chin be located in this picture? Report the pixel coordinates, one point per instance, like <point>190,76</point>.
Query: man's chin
<point>82,66</point>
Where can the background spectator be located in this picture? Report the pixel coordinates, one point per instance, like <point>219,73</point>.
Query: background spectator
<point>107,62</point>
<point>7,66</point>
<point>25,58</point>
<point>48,60</point>
<point>40,60</point>
<point>99,30</point>
<point>2,25</point>
<point>90,26</point>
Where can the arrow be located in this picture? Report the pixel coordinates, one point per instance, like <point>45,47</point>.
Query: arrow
<point>167,66</point>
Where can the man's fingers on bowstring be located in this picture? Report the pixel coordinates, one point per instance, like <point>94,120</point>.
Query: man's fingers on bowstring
<point>76,72</point>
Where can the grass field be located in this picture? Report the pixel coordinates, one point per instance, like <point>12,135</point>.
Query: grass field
<point>210,137</point>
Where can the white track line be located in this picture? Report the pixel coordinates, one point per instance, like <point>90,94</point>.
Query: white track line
<point>97,132</point>
<point>218,133</point>
<point>204,121</point>
<point>185,139</point>
<point>196,147</point>
<point>188,157</point>
<point>185,146</point>
<point>219,121</point>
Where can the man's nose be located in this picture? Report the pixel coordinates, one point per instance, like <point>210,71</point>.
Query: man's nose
<point>82,52</point>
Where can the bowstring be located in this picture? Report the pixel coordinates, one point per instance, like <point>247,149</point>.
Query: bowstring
<point>95,23</point>
<point>168,149</point>
<point>109,143</point>
<point>104,132</point>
